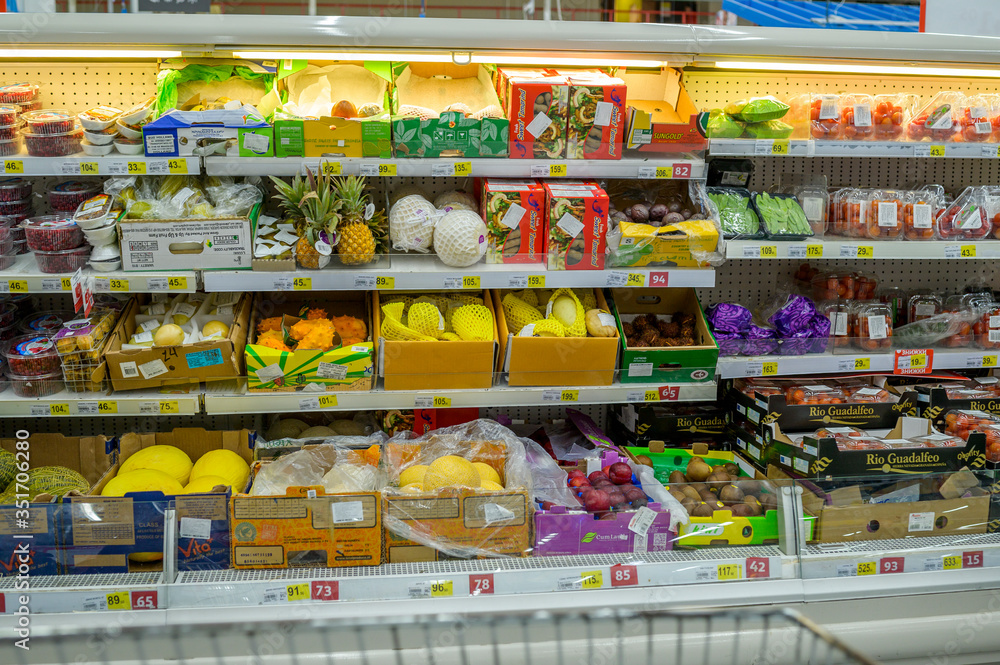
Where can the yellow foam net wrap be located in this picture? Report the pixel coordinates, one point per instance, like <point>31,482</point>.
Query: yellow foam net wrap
<point>450,337</point>
<point>393,328</point>
<point>529,296</point>
<point>549,328</point>
<point>473,322</point>
<point>426,319</point>
<point>579,327</point>
<point>587,299</point>
<point>518,313</point>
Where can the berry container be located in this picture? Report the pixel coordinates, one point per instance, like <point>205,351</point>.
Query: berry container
<point>11,222</point>
<point>918,217</point>
<point>885,217</point>
<point>856,117</point>
<point>13,208</point>
<point>9,113</point>
<point>18,93</point>
<point>891,113</point>
<point>7,260</point>
<point>8,311</point>
<point>14,189</point>
<point>11,147</point>
<point>36,386</point>
<point>8,332</point>
<point>33,105</point>
<point>825,117</point>
<point>64,260</point>
<point>48,122</point>
<point>50,233</point>
<point>31,355</point>
<point>4,382</point>
<point>53,145</point>
<point>20,247</point>
<point>8,132</point>
<point>69,194</point>
<point>47,323</point>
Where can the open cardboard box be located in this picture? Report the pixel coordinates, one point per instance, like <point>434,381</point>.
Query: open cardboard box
<point>436,86</point>
<point>345,368</point>
<point>556,361</point>
<point>94,458</point>
<point>239,132</point>
<point>455,365</point>
<point>661,115</point>
<point>677,364</point>
<point>153,367</point>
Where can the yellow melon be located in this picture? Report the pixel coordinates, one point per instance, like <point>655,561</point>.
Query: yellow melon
<point>169,459</point>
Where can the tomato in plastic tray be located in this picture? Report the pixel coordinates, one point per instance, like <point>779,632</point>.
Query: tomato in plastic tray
<point>824,117</point>
<point>872,326</point>
<point>48,121</point>
<point>53,145</point>
<point>966,217</point>
<point>833,286</point>
<point>856,117</point>
<point>868,394</point>
<point>889,115</point>
<point>987,328</point>
<point>17,93</point>
<point>885,218</point>
<point>14,189</point>
<point>64,260</point>
<point>939,119</point>
<point>839,314</point>
<point>49,233</point>
<point>962,422</point>
<point>31,355</point>
<point>47,323</point>
<point>814,394</point>
<point>36,386</point>
<point>923,306</point>
<point>69,194</point>
<point>974,118</point>
<point>918,217</point>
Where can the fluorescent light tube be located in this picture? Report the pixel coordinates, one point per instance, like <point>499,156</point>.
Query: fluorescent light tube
<point>846,68</point>
<point>110,54</point>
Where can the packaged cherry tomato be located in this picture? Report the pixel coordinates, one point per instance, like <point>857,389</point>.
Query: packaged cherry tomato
<point>865,286</point>
<point>854,213</point>
<point>939,119</point>
<point>856,117</point>
<point>838,312</point>
<point>753,387</point>
<point>918,216</point>
<point>963,316</point>
<point>891,113</point>
<point>962,422</point>
<point>923,306</point>
<point>885,215</point>
<point>870,395</point>
<point>974,120</point>
<point>833,286</point>
<point>819,393</point>
<point>965,218</point>
<point>825,118</point>
<point>987,327</point>
<point>872,326</point>
<point>936,440</point>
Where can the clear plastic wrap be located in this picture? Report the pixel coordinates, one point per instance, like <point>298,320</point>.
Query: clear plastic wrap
<point>965,218</point>
<point>856,115</point>
<point>892,112</point>
<point>782,217</point>
<point>331,465</point>
<point>939,119</point>
<point>974,120</point>
<point>824,117</point>
<point>885,216</point>
<point>738,218</point>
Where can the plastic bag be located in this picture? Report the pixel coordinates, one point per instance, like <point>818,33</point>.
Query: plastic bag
<point>770,129</point>
<point>758,109</point>
<point>782,216</point>
<point>723,126</point>
<point>547,478</point>
<point>168,80</point>
<point>736,216</point>
<point>335,468</point>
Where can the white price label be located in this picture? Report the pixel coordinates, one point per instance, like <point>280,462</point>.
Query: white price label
<point>157,284</point>
<point>517,282</point>
<point>364,281</point>
<point>641,521</point>
<point>283,284</point>
<point>309,404</point>
<point>615,278</point>
<point>922,150</point>
<point>423,402</point>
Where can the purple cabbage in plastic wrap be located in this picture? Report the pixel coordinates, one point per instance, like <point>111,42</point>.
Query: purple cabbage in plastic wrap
<point>729,317</point>
<point>820,327</point>
<point>794,316</point>
<point>797,344</point>
<point>730,343</point>
<point>761,341</point>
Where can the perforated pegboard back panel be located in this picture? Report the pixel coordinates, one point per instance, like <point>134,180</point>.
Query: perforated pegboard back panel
<point>77,86</point>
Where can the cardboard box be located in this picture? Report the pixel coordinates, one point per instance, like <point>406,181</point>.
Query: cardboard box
<point>638,424</point>
<point>153,367</point>
<point>934,403</point>
<point>426,420</point>
<point>752,446</point>
<point>679,364</point>
<point>595,128</point>
<point>514,211</point>
<point>91,456</point>
<point>577,221</point>
<point>299,531</point>
<point>536,102</point>
<point>437,86</point>
<point>187,244</point>
<point>454,365</point>
<point>661,115</point>
<point>556,361</point>
<point>112,528</point>
<point>241,132</point>
<point>347,368</point>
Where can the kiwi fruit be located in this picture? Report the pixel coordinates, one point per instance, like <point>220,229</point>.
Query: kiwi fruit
<point>742,510</point>
<point>701,510</point>
<point>676,478</point>
<point>645,460</point>
<point>754,504</point>
<point>715,505</point>
<point>768,501</point>
<point>699,487</point>
<point>691,492</point>
<point>677,494</point>
<point>732,469</point>
<point>689,504</point>
<point>719,467</point>
<point>749,487</point>
<point>730,494</point>
<point>698,470</point>
<point>707,496</point>
<point>716,481</point>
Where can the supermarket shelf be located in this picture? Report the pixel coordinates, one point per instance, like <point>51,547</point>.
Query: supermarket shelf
<point>25,277</point>
<point>84,165</point>
<point>859,248</point>
<point>662,167</point>
<point>810,148</point>
<point>422,271</point>
<point>228,397</point>
<point>70,404</point>
<point>94,594</point>
<point>826,363</point>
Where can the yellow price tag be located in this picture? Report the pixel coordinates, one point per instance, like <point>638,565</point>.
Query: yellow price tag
<point>867,568</point>
<point>814,251</point>
<point>385,282</point>
<point>768,251</point>
<point>866,251</point>
<point>592,579</point>
<point>636,279</point>
<point>937,150</point>
<point>118,285</point>
<point>989,361</point>
<point>536,281</point>
<point>769,368</point>
<point>66,284</point>
<point>470,282</point>
<point>387,170</point>
<point>107,407</point>
<point>968,251</point>
<point>779,147</point>
<point>177,165</point>
<point>119,600</point>
<point>918,360</point>
<point>442,589</point>
<point>651,396</point>
<point>952,562</point>
<point>177,283</point>
<point>137,168</point>
<point>862,364</point>
<point>327,401</point>
<point>730,571</point>
<point>442,402</point>
<point>18,285</point>
<point>569,396</point>
<point>170,406</point>
<point>89,168</point>
<point>298,592</point>
<point>302,284</point>
<point>331,168</point>
<point>59,409</point>
<point>664,172</point>
<point>463,168</point>
<point>13,166</point>
<point>557,170</point>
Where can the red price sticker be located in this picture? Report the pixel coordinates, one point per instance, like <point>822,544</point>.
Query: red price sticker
<point>3,603</point>
<point>682,170</point>
<point>758,567</point>
<point>670,393</point>
<point>622,575</point>
<point>890,564</point>
<point>914,361</point>
<point>480,584</point>
<point>144,600</point>
<point>325,590</point>
<point>972,559</point>
<point>659,279</point>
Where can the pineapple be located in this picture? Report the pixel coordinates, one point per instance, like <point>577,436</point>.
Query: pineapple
<point>357,239</point>
<point>312,206</point>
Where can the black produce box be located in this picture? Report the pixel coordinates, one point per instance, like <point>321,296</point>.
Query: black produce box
<point>935,403</point>
<point>822,458</point>
<point>679,426</point>
<point>752,446</point>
